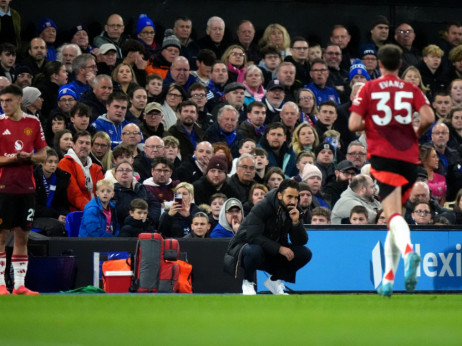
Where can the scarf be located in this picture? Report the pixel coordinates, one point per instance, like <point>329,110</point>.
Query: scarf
<point>257,95</point>
<point>239,71</point>
<point>258,130</point>
<point>50,188</point>
<point>229,137</point>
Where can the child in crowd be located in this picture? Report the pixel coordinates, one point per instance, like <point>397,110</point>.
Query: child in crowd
<point>216,202</point>
<point>359,215</point>
<point>172,152</point>
<point>137,221</point>
<point>303,158</point>
<point>200,226</point>
<point>314,52</point>
<point>261,161</point>
<point>154,87</point>
<point>119,154</point>
<point>246,146</point>
<point>320,216</point>
<point>99,216</point>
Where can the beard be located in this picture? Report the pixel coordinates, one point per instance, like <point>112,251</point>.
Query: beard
<point>287,207</point>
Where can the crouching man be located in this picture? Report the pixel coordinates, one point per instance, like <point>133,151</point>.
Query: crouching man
<point>271,238</point>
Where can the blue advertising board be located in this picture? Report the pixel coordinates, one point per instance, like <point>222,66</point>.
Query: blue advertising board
<point>352,260</point>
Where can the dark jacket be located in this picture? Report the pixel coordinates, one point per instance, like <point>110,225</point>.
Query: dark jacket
<point>435,209</point>
<point>285,159</point>
<point>188,171</point>
<point>132,227</point>
<point>177,226</point>
<point>49,95</point>
<point>149,131</point>
<point>215,134</point>
<point>207,43</point>
<point>142,165</point>
<point>203,190</point>
<point>97,107</point>
<point>186,146</point>
<point>267,225</point>
<point>302,71</point>
<point>123,197</point>
<point>59,204</point>
<point>242,190</point>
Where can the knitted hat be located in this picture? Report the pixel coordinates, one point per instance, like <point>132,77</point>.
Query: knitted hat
<point>367,49</point>
<point>234,86</point>
<point>358,68</point>
<point>65,90</point>
<point>322,146</point>
<point>379,20</point>
<point>310,171</point>
<point>24,69</point>
<point>29,96</point>
<point>170,40</point>
<point>46,23</point>
<point>218,162</point>
<point>144,21</point>
<point>77,28</point>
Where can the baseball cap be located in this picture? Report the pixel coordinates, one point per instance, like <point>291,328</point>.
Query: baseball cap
<point>233,203</point>
<point>106,48</point>
<point>274,84</point>
<point>345,165</point>
<point>153,106</point>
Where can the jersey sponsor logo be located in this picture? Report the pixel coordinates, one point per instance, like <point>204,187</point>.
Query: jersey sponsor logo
<point>6,132</point>
<point>18,145</point>
<point>28,131</point>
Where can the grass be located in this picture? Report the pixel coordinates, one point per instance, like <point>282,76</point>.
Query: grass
<point>231,320</point>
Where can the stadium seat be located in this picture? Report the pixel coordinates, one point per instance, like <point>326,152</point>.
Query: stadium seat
<point>73,221</point>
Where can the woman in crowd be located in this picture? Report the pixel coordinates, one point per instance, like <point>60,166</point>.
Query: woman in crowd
<point>454,122</point>
<point>253,81</point>
<point>458,207</point>
<point>172,97</point>
<point>145,32</point>
<point>273,177</point>
<point>234,58</point>
<point>123,78</point>
<point>412,74</point>
<point>257,193</point>
<point>176,221</point>
<point>308,106</point>
<point>138,97</point>
<point>126,189</point>
<point>455,90</point>
<point>436,182</point>
<point>421,214</point>
<point>101,153</point>
<point>220,148</point>
<point>276,35</point>
<point>304,138</point>
<point>62,142</point>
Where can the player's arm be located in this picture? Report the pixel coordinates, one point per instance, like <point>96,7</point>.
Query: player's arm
<point>427,118</point>
<point>355,122</point>
<point>40,156</point>
<point>6,161</point>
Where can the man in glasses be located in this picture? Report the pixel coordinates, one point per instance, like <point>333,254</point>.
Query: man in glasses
<point>404,37</point>
<point>319,74</point>
<point>85,69</point>
<point>112,33</point>
<point>338,77</point>
<point>299,49</point>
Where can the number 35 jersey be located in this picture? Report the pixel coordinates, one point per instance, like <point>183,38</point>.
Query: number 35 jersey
<point>387,105</point>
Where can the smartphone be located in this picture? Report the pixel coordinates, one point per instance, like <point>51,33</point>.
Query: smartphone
<point>179,199</point>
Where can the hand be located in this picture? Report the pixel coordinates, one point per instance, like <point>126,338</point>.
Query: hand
<point>185,210</point>
<point>62,218</point>
<point>294,214</point>
<point>140,62</point>
<point>287,253</point>
<point>89,77</point>
<point>22,155</point>
<point>174,208</point>
<point>235,225</point>
<point>95,51</point>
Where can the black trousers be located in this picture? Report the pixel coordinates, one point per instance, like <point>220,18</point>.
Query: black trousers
<point>254,257</point>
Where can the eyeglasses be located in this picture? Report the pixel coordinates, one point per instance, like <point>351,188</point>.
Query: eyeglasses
<point>422,212</point>
<point>442,133</point>
<point>306,98</point>
<point>271,57</point>
<point>198,96</point>
<point>174,95</point>
<point>98,145</point>
<point>134,133</point>
<point>407,32</point>
<point>153,114</point>
<point>147,33</point>
<point>127,170</point>
<point>115,26</point>
<point>300,48</point>
<point>355,153</point>
<point>93,67</point>
<point>238,54</point>
<point>154,147</point>
<point>251,168</point>
<point>321,70</point>
<point>164,171</point>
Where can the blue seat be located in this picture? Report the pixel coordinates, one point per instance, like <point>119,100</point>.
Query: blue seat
<point>73,221</point>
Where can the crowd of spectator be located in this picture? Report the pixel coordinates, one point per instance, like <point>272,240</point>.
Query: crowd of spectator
<point>185,136</point>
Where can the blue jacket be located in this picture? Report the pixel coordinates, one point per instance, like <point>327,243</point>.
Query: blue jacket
<point>285,160</point>
<point>220,232</point>
<point>94,220</point>
<point>169,80</point>
<point>114,130</point>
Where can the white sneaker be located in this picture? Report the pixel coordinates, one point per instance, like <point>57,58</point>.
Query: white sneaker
<point>248,288</point>
<point>275,287</point>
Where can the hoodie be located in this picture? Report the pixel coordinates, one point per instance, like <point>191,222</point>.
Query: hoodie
<point>224,229</point>
<point>114,130</point>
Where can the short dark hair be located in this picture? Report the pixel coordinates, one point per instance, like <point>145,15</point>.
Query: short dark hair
<point>259,152</point>
<point>187,103</point>
<point>12,89</point>
<point>138,203</point>
<point>359,209</point>
<point>51,152</point>
<point>297,39</point>
<point>152,76</point>
<point>196,86</point>
<point>242,141</point>
<point>161,160</point>
<point>255,104</point>
<point>8,48</point>
<point>321,211</point>
<point>390,55</point>
<point>275,125</point>
<point>79,134</point>
<point>207,57</point>
<point>319,61</point>
<point>119,96</point>
<point>218,195</point>
<point>269,50</point>
<point>286,183</point>
<point>120,150</point>
<point>82,109</point>
<point>132,46</point>
<point>329,103</point>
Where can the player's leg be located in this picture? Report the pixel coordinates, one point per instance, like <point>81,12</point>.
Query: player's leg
<point>3,238</point>
<point>392,256</point>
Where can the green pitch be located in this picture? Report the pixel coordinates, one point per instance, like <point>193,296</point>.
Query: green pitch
<point>231,320</point>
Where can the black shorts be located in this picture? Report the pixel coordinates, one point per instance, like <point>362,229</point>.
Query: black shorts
<point>16,210</point>
<point>390,174</point>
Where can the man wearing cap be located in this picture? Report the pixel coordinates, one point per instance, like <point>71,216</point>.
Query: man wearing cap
<point>234,96</point>
<point>368,56</point>
<point>193,167</point>
<point>218,79</point>
<point>280,154</point>
<point>24,76</point>
<point>179,73</point>
<point>273,100</point>
<point>214,181</point>
<point>97,97</point>
<point>152,121</point>
<point>313,177</point>
<point>225,129</point>
<point>47,31</point>
<point>254,126</point>
<point>213,40</point>
<point>161,62</point>
<point>32,102</point>
<point>146,32</point>
<point>66,55</point>
<point>361,191</point>
<point>319,74</point>
<point>37,55</point>
<point>189,48</point>
<point>262,241</point>
<point>112,33</point>
<point>186,130</point>
<point>344,173</point>
<point>106,59</point>
<point>229,220</point>
<point>243,179</point>
<point>79,36</point>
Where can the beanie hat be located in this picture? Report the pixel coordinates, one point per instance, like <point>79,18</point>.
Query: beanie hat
<point>77,28</point>
<point>144,21</point>
<point>65,90</point>
<point>367,49</point>
<point>322,146</point>
<point>310,171</point>
<point>46,23</point>
<point>358,68</point>
<point>379,20</point>
<point>218,162</point>
<point>29,96</point>
<point>170,40</point>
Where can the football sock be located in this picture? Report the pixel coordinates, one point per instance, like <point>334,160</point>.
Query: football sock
<point>392,256</point>
<point>19,263</point>
<point>401,234</point>
<point>2,268</point>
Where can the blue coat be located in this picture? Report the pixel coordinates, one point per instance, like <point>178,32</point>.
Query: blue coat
<point>220,232</point>
<point>94,220</point>
<point>114,130</point>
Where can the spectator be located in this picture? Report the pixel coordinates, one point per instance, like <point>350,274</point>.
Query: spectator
<point>305,203</point>
<point>84,69</point>
<point>146,32</point>
<point>173,96</point>
<point>231,216</point>
<point>62,142</point>
<point>97,97</point>
<point>189,48</point>
<point>242,180</point>
<point>304,138</point>
<point>356,153</point>
<point>380,219</point>
<point>160,63</point>
<point>216,203</point>
<point>359,215</point>
<point>304,158</point>
<point>57,123</point>
<point>344,173</point>
<point>204,63</point>
<point>193,167</point>
<point>112,33</point>
<point>137,221</point>
<point>153,147</point>
<point>152,124</point>
<point>436,182</point>
<point>253,82</point>
<point>257,193</point>
<point>277,36</point>
<point>80,119</point>
<point>154,87</point>
<point>320,216</point>
<point>306,101</point>
<point>132,137</point>
<point>101,150</point>
<point>37,55</point>
<point>161,184</point>
<point>200,226</point>
<point>458,208</point>
<point>47,31</point>
<point>273,178</point>
<point>79,36</point>
<point>313,177</point>
<point>235,59</point>
<point>138,99</point>
<point>67,99</point>
<point>421,215</point>
<point>124,78</point>
<point>254,126</point>
<point>66,55</point>
<point>214,39</point>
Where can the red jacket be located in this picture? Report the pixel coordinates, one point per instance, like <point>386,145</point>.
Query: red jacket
<point>77,192</point>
